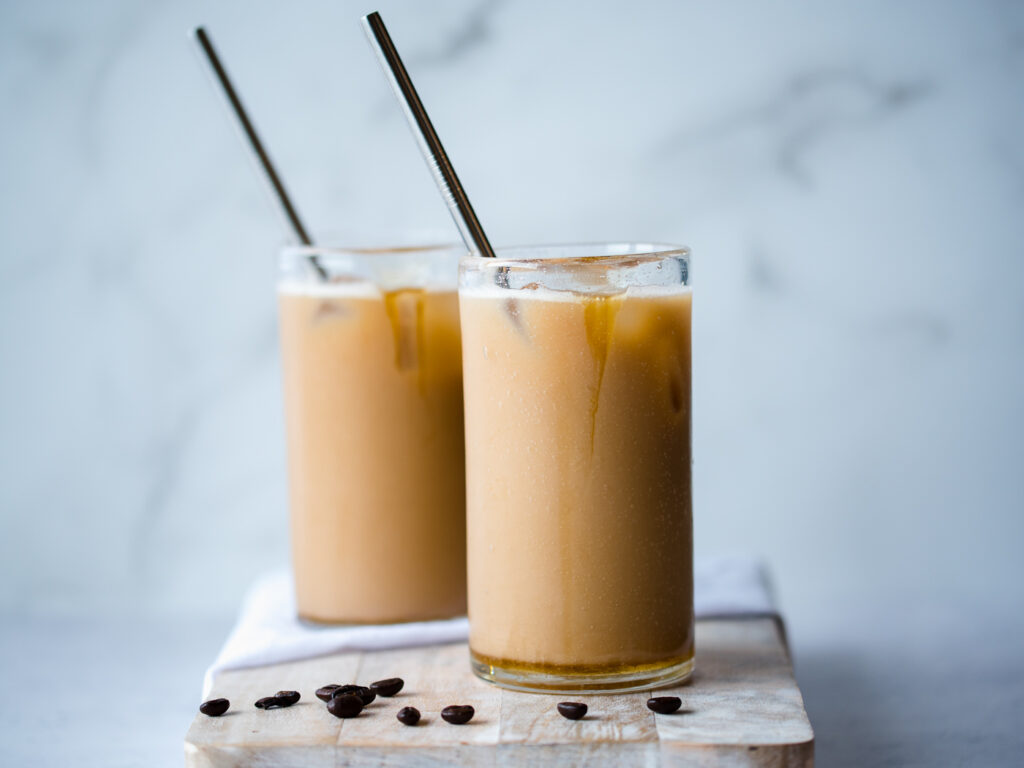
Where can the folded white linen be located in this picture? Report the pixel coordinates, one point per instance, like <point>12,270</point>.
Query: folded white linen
<point>268,630</point>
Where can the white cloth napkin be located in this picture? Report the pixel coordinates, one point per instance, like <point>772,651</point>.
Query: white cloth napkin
<point>269,632</point>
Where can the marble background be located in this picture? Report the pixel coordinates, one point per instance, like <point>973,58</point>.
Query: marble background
<point>849,175</point>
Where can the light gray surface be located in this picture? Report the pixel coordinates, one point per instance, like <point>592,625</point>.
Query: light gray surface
<point>100,693</point>
<point>914,683</point>
<point>893,685</point>
<point>850,176</point>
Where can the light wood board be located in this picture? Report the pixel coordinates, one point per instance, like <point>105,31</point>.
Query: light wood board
<point>742,708</point>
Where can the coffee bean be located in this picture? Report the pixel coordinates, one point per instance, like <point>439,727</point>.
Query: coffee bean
<point>408,715</point>
<point>345,705</point>
<point>458,714</point>
<point>214,707</point>
<point>572,710</point>
<point>365,694</point>
<point>325,693</point>
<point>664,705</point>
<point>388,687</point>
<point>279,701</point>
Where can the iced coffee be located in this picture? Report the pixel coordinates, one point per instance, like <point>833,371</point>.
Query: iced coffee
<point>576,368</point>
<point>370,348</point>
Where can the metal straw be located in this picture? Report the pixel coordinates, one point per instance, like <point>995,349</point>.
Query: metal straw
<point>263,163</point>
<point>430,145</point>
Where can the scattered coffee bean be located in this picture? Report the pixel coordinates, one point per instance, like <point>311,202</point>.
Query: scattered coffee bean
<point>457,714</point>
<point>287,698</point>
<point>365,694</point>
<point>572,710</point>
<point>278,701</point>
<point>345,705</point>
<point>664,705</point>
<point>388,687</point>
<point>408,715</point>
<point>325,693</point>
<point>214,707</point>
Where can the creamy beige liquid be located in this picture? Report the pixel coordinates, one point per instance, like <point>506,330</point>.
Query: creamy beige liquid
<point>579,501</point>
<point>373,405</point>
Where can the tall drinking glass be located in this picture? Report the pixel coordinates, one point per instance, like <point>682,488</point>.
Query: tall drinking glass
<point>373,409</point>
<point>576,363</point>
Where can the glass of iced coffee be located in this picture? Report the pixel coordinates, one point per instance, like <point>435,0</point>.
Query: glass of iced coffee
<point>576,363</point>
<point>370,348</point>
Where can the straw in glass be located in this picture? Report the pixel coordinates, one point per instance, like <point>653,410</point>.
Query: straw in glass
<point>258,152</point>
<point>430,145</point>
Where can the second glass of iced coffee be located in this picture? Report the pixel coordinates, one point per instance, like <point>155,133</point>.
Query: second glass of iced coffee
<point>576,367</point>
<point>373,408</point>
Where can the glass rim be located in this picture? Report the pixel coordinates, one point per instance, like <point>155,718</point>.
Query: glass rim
<point>625,251</point>
<point>294,250</point>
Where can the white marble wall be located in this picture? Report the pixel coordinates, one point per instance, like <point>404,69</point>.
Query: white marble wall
<point>850,176</point>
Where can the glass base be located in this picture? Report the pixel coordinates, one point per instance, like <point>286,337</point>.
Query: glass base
<point>555,679</point>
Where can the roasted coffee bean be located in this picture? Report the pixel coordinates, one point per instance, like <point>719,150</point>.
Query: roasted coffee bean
<point>325,693</point>
<point>287,698</point>
<point>214,707</point>
<point>278,701</point>
<point>408,715</point>
<point>345,705</point>
<point>572,710</point>
<point>664,705</point>
<point>458,714</point>
<point>388,687</point>
<point>365,694</point>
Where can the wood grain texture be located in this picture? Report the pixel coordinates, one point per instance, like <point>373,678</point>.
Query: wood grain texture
<point>742,708</point>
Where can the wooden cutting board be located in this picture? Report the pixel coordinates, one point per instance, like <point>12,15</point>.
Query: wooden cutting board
<point>742,708</point>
